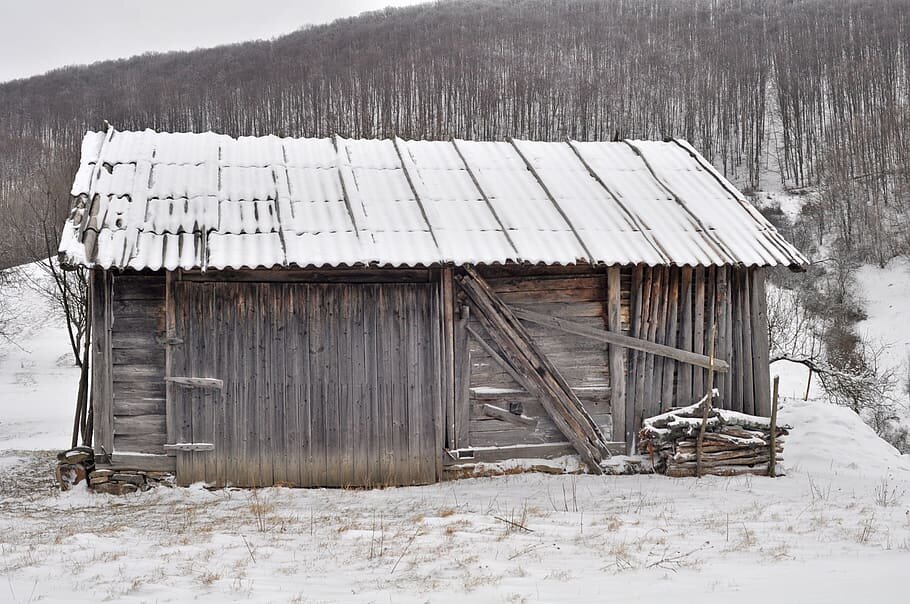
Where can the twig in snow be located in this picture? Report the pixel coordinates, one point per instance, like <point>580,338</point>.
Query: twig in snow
<point>525,551</point>
<point>248,548</point>
<point>406,548</point>
<point>515,524</point>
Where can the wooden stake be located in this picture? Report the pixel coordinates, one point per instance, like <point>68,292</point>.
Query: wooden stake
<point>772,464</point>
<point>700,443</point>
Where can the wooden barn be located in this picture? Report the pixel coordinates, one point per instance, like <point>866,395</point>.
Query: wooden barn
<point>341,312</point>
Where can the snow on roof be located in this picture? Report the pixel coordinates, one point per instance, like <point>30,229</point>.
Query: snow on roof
<point>162,200</point>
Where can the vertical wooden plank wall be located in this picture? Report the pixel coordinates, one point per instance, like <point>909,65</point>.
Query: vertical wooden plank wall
<point>680,307</point>
<point>136,335</point>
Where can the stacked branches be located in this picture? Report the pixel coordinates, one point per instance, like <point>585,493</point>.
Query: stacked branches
<point>734,443</point>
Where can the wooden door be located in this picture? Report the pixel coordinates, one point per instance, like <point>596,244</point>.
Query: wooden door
<point>323,384</point>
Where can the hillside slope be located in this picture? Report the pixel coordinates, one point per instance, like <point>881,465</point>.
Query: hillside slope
<point>808,91</point>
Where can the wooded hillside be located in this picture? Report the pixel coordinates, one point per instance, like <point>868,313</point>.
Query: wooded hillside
<point>807,93</point>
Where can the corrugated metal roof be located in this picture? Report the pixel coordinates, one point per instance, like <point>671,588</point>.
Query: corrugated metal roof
<point>161,200</point>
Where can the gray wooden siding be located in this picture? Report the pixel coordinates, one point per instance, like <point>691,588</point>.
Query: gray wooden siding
<point>323,384</point>
<point>679,307</point>
<point>568,292</point>
<point>137,363</point>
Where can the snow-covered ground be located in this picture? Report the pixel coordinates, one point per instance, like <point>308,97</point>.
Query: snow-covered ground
<point>885,293</point>
<point>38,377</point>
<point>836,528</point>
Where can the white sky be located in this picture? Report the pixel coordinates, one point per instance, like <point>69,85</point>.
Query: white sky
<point>39,35</point>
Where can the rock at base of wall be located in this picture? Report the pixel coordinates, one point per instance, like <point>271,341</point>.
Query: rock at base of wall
<point>115,488</point>
<point>78,464</point>
<point>69,475</point>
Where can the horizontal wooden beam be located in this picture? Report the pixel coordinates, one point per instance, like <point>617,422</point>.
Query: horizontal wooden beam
<point>190,447</point>
<point>507,416</point>
<point>197,382</point>
<point>336,275</point>
<point>618,339</point>
<point>140,461</point>
<point>509,452</point>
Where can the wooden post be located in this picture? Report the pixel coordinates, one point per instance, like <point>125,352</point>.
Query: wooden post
<point>101,379</point>
<point>760,343</point>
<point>706,409</point>
<point>448,335</point>
<point>621,431</point>
<point>772,464</point>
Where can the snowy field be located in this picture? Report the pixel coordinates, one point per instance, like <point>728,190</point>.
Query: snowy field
<point>835,529</point>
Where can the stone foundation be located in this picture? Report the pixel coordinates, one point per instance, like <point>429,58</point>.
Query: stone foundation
<point>78,465</point>
<point>122,482</point>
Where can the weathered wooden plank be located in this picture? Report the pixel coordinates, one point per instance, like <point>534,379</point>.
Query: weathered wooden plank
<point>148,463</point>
<point>190,447</point>
<point>567,309</point>
<point>207,383</point>
<point>296,346</point>
<point>511,271</point>
<point>523,451</point>
<point>655,322</point>
<point>102,384</point>
<point>621,431</point>
<point>721,306</point>
<point>315,276</point>
<point>512,418</point>
<point>447,286</point>
<point>684,372</point>
<point>748,391</point>
<point>213,400</point>
<point>140,425</point>
<point>148,356</point>
<point>145,443</point>
<point>547,283</point>
<point>131,389</point>
<point>698,329</point>
<point>671,329</point>
<point>620,340</point>
<point>171,358</point>
<point>140,406</point>
<point>760,344</point>
<point>315,311</point>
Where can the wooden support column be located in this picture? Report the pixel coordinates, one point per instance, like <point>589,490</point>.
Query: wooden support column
<point>462,378</point>
<point>621,430</point>
<point>171,340</point>
<point>684,373</point>
<point>760,344</point>
<point>447,291</point>
<point>748,373</point>
<point>671,319</point>
<point>102,387</point>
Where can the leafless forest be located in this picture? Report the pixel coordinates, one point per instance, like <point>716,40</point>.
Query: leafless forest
<point>804,93</point>
<point>808,95</point>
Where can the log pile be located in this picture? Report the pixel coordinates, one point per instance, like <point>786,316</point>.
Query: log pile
<point>734,443</point>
